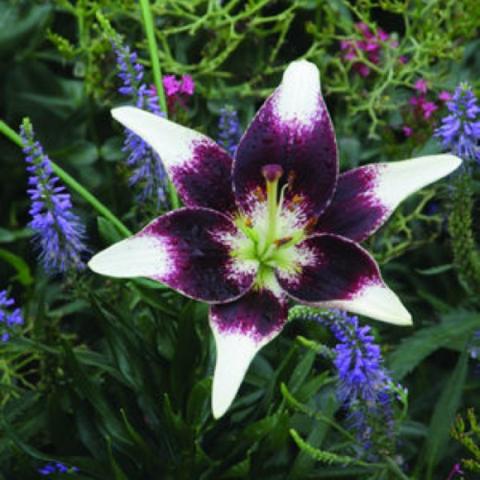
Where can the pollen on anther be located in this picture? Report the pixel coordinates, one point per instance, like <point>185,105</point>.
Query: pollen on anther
<point>282,241</point>
<point>310,226</point>
<point>260,194</point>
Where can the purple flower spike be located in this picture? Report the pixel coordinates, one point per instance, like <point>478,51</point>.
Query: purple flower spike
<point>55,468</point>
<point>275,223</point>
<point>59,233</point>
<point>10,318</point>
<point>229,130</point>
<point>148,174</point>
<point>358,361</point>
<point>459,131</point>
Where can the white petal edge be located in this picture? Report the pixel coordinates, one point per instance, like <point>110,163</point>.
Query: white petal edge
<point>235,352</point>
<point>171,141</point>
<point>139,256</point>
<point>398,180</point>
<point>377,302</point>
<point>297,97</point>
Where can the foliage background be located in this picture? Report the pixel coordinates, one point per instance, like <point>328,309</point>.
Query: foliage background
<point>115,376</point>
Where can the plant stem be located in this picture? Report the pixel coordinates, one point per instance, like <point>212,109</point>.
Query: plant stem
<point>72,183</point>
<point>157,77</point>
<point>153,50</point>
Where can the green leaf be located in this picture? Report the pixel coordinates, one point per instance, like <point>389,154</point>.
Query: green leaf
<point>444,415</point>
<point>108,231</point>
<point>435,270</point>
<point>23,270</point>
<point>18,23</point>
<point>426,341</point>
<point>301,371</point>
<point>304,461</point>
<point>8,236</point>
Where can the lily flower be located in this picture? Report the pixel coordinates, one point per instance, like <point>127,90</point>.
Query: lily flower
<point>273,224</point>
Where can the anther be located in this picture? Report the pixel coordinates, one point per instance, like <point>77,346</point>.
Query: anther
<point>259,194</point>
<point>310,226</point>
<point>282,241</point>
<point>248,222</point>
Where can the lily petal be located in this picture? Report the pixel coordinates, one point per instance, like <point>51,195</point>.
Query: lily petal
<point>199,168</point>
<point>187,250</point>
<point>336,272</point>
<point>365,197</point>
<point>292,129</point>
<point>241,329</point>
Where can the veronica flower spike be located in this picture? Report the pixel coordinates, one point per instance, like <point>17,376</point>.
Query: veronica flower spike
<point>275,223</point>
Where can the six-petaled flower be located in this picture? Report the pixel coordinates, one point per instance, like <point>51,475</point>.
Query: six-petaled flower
<point>274,224</point>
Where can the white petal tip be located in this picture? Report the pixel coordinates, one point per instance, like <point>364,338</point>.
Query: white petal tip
<point>381,303</point>
<point>302,73</point>
<point>234,355</point>
<point>378,302</point>
<point>119,113</point>
<point>140,256</point>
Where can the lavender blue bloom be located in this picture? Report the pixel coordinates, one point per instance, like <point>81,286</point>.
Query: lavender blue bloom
<point>59,233</point>
<point>230,130</point>
<point>148,174</point>
<point>54,468</point>
<point>358,361</point>
<point>10,317</point>
<point>460,130</point>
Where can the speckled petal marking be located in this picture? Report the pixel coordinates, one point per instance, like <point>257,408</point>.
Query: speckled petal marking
<point>241,329</point>
<point>366,196</point>
<point>184,250</point>
<point>199,168</point>
<point>292,129</point>
<point>339,273</point>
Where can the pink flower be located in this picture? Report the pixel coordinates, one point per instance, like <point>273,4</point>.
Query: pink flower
<point>407,131</point>
<point>188,85</point>
<point>177,90</point>
<point>445,96</point>
<point>171,85</point>
<point>371,44</point>
<point>421,86</point>
<point>428,108</point>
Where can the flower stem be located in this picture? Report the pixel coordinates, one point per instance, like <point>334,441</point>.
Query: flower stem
<point>157,77</point>
<point>153,50</point>
<point>72,183</point>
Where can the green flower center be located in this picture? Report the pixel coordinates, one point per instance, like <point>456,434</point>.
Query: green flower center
<point>270,235</point>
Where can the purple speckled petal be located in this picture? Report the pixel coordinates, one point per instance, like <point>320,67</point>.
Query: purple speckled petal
<point>292,129</point>
<point>240,329</point>
<point>199,168</point>
<point>366,196</point>
<point>188,250</point>
<point>336,272</point>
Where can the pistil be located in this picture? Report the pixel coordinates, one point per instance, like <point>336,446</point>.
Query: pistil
<point>272,174</point>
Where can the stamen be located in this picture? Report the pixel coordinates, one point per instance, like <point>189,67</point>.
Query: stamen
<point>291,178</point>
<point>259,194</point>
<point>297,199</point>
<point>282,241</point>
<point>310,226</point>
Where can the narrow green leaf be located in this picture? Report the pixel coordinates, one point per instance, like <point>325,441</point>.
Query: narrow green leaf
<point>426,341</point>
<point>444,415</point>
<point>23,270</point>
